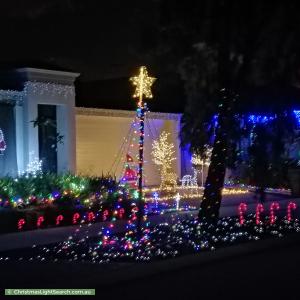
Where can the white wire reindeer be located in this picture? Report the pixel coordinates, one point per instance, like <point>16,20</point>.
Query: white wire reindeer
<point>189,180</point>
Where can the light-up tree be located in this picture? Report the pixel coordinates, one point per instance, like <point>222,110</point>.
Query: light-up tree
<point>202,160</point>
<point>143,84</point>
<point>163,156</point>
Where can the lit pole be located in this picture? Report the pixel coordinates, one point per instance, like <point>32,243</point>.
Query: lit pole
<point>143,84</point>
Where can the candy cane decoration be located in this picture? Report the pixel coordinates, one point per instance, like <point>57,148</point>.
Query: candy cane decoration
<point>274,205</point>
<point>21,223</point>
<point>242,209</point>
<point>121,212</point>
<point>40,220</point>
<point>259,210</point>
<point>134,211</point>
<point>105,215</point>
<point>91,216</point>
<point>76,216</point>
<point>59,218</point>
<point>291,205</point>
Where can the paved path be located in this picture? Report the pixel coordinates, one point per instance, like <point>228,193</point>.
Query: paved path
<point>52,235</point>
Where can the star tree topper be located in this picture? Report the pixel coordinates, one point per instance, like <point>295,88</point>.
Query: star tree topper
<point>143,84</point>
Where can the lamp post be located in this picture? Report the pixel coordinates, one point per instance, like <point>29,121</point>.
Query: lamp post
<point>143,84</point>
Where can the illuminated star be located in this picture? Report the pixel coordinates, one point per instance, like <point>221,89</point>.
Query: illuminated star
<point>143,84</point>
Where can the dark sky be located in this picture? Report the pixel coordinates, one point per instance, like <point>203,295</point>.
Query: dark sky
<point>106,41</point>
<point>99,39</point>
<point>102,40</point>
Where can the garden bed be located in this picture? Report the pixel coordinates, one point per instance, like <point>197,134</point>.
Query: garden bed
<point>158,242</point>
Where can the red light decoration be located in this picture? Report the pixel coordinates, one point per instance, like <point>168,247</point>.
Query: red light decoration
<point>59,218</point>
<point>91,216</point>
<point>105,215</point>
<point>75,218</point>
<point>21,223</point>
<point>274,206</point>
<point>40,220</point>
<point>134,211</point>
<point>242,209</point>
<point>121,212</point>
<point>258,211</point>
<point>291,206</point>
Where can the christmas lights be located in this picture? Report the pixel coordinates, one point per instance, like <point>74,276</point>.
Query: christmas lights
<point>105,215</point>
<point>39,222</point>
<point>204,160</point>
<point>177,199</point>
<point>297,116</point>
<point>75,218</point>
<point>163,156</point>
<point>242,209</point>
<point>2,142</point>
<point>34,167</point>
<point>59,218</point>
<point>91,216</point>
<point>48,89</point>
<point>258,211</point>
<point>21,224</point>
<point>161,241</point>
<point>260,119</point>
<point>290,206</point>
<point>143,84</point>
<point>274,206</point>
<point>189,180</point>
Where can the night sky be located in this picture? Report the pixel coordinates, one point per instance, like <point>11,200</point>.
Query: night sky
<point>106,41</point>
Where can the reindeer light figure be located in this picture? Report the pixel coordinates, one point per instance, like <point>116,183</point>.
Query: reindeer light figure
<point>189,180</point>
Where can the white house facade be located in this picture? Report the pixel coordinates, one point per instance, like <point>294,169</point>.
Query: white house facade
<point>39,121</point>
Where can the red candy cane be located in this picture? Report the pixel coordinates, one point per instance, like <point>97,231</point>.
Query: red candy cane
<point>259,210</point>
<point>242,209</point>
<point>134,211</point>
<point>76,216</point>
<point>105,215</point>
<point>274,205</point>
<point>21,223</point>
<point>59,218</point>
<point>121,212</point>
<point>291,205</point>
<point>40,220</point>
<point>91,216</point>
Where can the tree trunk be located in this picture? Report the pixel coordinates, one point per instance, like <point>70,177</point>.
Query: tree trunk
<point>211,202</point>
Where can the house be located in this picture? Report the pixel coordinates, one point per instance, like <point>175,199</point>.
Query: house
<point>40,122</point>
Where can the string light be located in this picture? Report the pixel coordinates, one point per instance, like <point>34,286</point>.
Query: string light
<point>163,156</point>
<point>75,218</point>
<point>21,224</point>
<point>39,222</point>
<point>164,240</point>
<point>143,84</point>
<point>274,206</point>
<point>189,180</point>
<point>258,211</point>
<point>2,142</point>
<point>291,206</point>
<point>177,199</point>
<point>59,218</point>
<point>242,209</point>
